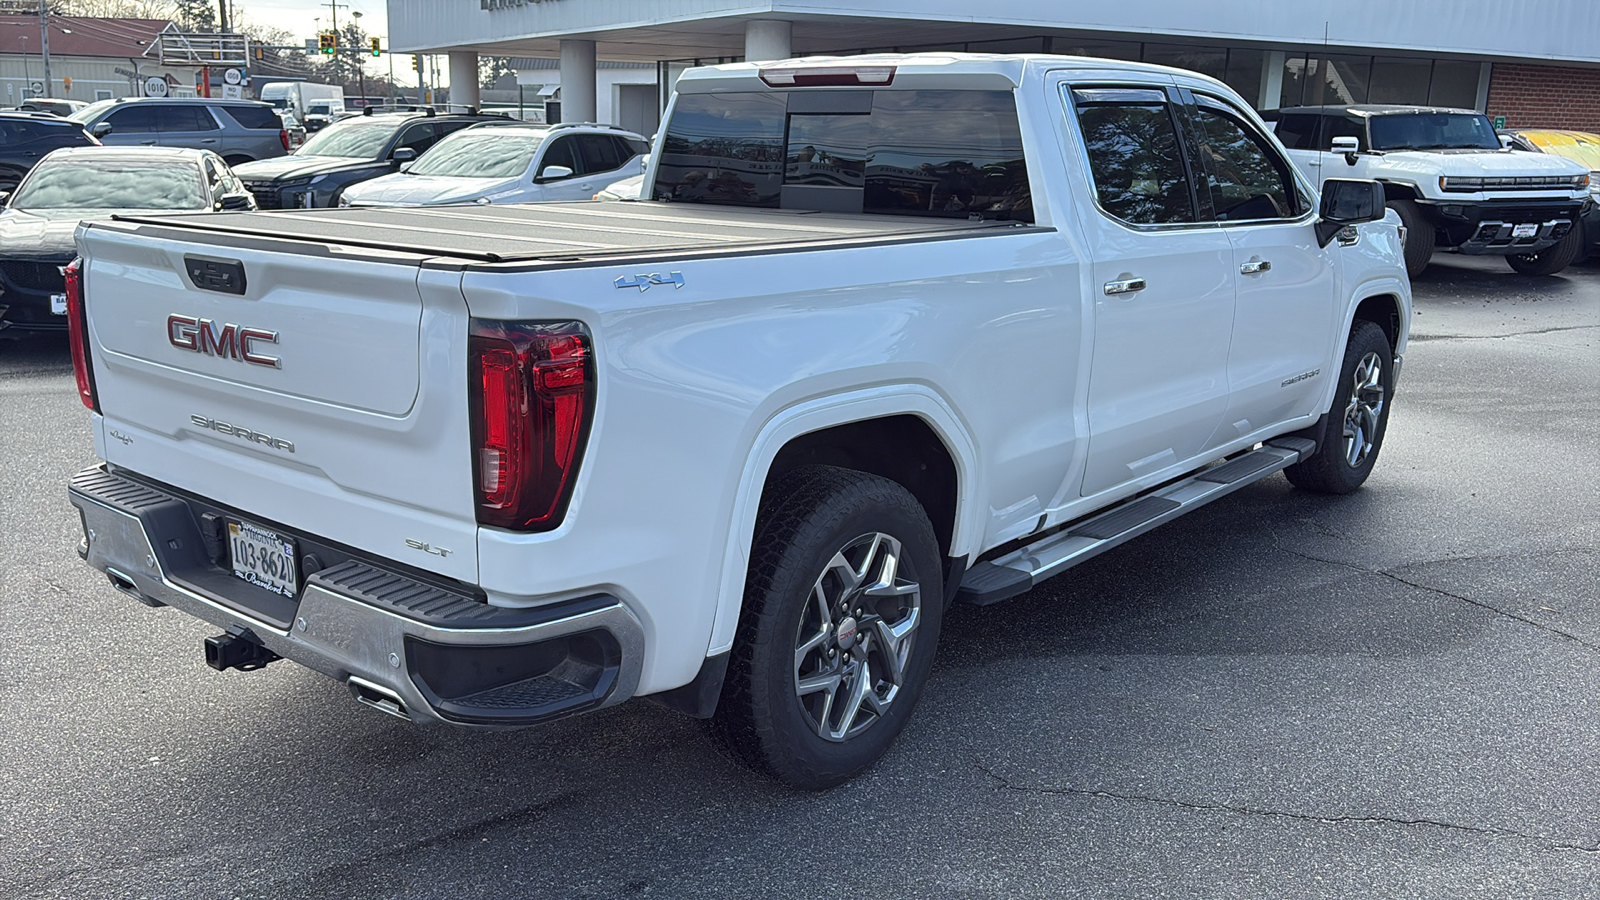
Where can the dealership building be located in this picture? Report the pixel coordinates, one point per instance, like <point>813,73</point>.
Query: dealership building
<point>1532,61</point>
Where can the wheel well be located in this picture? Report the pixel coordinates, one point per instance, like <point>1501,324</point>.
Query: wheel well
<point>902,449</point>
<point>1382,310</point>
<point>1392,191</point>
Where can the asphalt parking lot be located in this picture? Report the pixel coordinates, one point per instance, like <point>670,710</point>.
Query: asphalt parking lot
<point>1395,693</point>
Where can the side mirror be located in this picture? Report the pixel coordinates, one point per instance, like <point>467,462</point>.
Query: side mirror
<point>403,155</point>
<point>101,129</point>
<point>234,202</point>
<point>4,196</point>
<point>1507,142</point>
<point>1346,202</point>
<point>554,173</point>
<point>1349,146</point>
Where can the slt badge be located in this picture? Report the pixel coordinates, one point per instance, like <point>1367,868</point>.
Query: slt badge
<point>645,282</point>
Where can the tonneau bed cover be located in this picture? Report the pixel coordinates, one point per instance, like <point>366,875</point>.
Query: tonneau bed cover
<point>559,233</point>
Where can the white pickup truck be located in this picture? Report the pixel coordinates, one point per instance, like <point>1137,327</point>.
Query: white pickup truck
<point>893,332</point>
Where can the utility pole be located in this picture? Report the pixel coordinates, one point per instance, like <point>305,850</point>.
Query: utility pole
<point>222,16</point>
<point>44,48</point>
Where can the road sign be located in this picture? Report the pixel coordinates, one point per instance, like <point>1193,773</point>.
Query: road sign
<point>155,86</point>
<point>232,76</point>
<point>37,87</point>
<point>232,91</point>
<point>1499,122</point>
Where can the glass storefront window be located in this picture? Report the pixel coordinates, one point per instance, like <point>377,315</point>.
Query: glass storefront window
<point>1211,61</point>
<point>1244,73</point>
<point>1322,80</point>
<point>1128,50</point>
<point>1454,84</point>
<point>1399,80</point>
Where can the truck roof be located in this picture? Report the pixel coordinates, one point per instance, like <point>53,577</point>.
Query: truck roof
<point>1367,110</point>
<point>919,70</point>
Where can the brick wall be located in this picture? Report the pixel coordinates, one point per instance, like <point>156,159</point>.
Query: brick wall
<point>1545,97</point>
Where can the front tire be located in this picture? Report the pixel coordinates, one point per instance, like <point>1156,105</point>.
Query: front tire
<point>841,614</point>
<point>1420,238</point>
<point>1353,430</point>
<point>1551,259</point>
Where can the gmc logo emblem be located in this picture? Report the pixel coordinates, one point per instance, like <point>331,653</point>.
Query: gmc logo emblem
<point>226,341</point>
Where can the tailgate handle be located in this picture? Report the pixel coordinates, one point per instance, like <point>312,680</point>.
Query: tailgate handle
<point>209,273</point>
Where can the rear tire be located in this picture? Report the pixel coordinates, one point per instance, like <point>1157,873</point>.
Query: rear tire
<point>1353,430</point>
<point>1419,235</point>
<point>836,638</point>
<point>1551,259</point>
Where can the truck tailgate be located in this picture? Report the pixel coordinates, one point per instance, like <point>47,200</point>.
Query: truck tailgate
<point>321,391</point>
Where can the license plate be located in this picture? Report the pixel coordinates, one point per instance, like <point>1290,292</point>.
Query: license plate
<point>58,304</point>
<point>262,558</point>
<point>1528,230</point>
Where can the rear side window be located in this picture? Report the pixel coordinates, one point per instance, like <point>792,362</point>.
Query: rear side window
<point>185,119</point>
<point>254,116</point>
<point>1132,142</point>
<point>1298,131</point>
<point>939,153</point>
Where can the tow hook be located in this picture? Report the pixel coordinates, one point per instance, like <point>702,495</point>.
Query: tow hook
<point>237,651</point>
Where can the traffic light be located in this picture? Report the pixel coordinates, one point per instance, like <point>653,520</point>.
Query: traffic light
<point>260,54</point>
<point>377,50</point>
<point>328,43</point>
<point>416,64</point>
<point>66,83</point>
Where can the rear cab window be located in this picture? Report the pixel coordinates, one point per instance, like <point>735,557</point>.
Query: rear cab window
<point>949,153</point>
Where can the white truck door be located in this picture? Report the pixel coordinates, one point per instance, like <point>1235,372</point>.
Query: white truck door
<point>1284,328</point>
<point>1163,285</point>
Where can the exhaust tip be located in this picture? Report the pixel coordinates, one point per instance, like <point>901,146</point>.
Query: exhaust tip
<point>378,697</point>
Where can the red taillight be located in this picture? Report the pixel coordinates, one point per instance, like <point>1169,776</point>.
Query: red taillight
<point>532,393</point>
<point>283,135</point>
<point>78,335</point>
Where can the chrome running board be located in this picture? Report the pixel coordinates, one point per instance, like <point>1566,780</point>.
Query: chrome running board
<point>1018,571</point>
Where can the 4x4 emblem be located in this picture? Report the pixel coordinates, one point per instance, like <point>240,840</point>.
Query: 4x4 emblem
<point>644,282</point>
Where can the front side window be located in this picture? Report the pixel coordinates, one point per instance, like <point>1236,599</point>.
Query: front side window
<point>1298,131</point>
<point>1246,179</point>
<point>1134,156</point>
<point>561,152</point>
<point>134,120</point>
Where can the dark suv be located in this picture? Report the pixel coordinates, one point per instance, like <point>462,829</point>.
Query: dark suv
<point>26,137</point>
<point>349,151</point>
<point>239,131</point>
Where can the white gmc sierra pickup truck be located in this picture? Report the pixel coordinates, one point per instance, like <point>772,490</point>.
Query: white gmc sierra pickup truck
<point>892,332</point>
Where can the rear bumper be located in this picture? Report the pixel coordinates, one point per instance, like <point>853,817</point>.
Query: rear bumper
<point>402,645</point>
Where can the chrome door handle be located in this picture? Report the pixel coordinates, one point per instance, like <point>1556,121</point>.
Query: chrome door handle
<point>1255,267</point>
<point>1124,287</point>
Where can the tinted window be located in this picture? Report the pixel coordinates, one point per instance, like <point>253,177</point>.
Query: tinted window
<point>1134,158</point>
<point>950,153</point>
<point>21,131</point>
<point>254,116</point>
<point>82,183</point>
<point>1298,131</point>
<point>1247,180</point>
<point>418,137</point>
<point>1338,126</point>
<point>185,118</point>
<point>133,120</point>
<point>631,147</point>
<point>1433,131</point>
<point>561,152</point>
<point>599,153</point>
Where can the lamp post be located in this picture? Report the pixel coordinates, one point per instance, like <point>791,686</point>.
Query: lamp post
<point>361,66</point>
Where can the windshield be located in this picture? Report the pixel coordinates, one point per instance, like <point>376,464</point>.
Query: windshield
<point>491,153</point>
<point>1433,131</point>
<point>362,140</point>
<point>321,106</point>
<point>79,183</point>
<point>88,113</point>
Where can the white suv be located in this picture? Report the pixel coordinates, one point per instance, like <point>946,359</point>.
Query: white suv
<point>509,164</point>
<point>1444,171</point>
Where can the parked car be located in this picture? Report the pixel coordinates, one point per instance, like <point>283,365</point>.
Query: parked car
<point>71,185</point>
<point>1580,147</point>
<point>350,151</point>
<point>508,164</point>
<point>293,127</point>
<point>27,137</point>
<point>239,131</point>
<point>52,105</point>
<point>1445,173</point>
<point>736,450</point>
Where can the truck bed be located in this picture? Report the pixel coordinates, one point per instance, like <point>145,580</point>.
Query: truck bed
<point>556,234</point>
